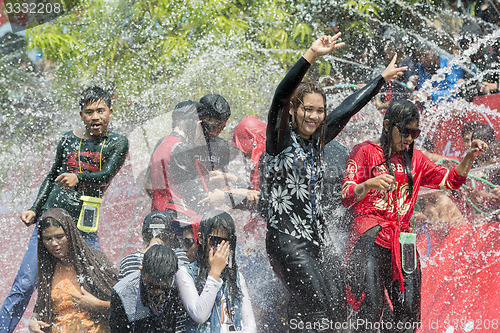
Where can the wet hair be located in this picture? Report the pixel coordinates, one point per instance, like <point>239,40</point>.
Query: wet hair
<point>399,113</point>
<point>48,222</point>
<point>469,127</point>
<point>483,132</point>
<point>215,106</point>
<point>179,112</point>
<point>185,116</point>
<point>211,222</point>
<point>160,262</point>
<point>95,271</point>
<point>306,88</point>
<point>95,94</point>
<point>158,224</point>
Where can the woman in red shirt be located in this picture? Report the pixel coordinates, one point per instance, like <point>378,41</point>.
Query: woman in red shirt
<point>381,183</point>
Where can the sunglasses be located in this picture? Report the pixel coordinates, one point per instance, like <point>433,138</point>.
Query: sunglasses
<point>213,241</point>
<point>406,132</point>
<point>188,242</point>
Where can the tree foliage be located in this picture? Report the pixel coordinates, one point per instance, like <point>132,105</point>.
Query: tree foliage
<point>144,49</point>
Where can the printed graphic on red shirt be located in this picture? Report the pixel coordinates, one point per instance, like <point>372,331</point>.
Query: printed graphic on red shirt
<point>89,161</point>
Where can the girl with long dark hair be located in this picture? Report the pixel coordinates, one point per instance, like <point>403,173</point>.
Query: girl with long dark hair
<point>381,183</point>
<point>212,290</point>
<point>74,280</point>
<point>291,189</point>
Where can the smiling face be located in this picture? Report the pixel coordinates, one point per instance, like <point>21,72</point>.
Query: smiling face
<point>95,117</point>
<point>309,115</point>
<point>410,133</point>
<point>56,242</point>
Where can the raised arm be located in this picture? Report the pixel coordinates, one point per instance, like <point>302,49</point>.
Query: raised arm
<point>277,119</point>
<point>338,118</point>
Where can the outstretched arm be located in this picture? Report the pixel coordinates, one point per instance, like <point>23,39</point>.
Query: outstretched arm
<point>277,119</point>
<point>477,148</point>
<point>338,118</point>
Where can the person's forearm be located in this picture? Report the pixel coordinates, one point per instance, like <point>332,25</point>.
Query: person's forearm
<point>310,56</point>
<point>360,191</point>
<point>101,306</point>
<point>277,118</point>
<point>340,116</point>
<point>199,307</point>
<point>464,167</point>
<point>43,194</point>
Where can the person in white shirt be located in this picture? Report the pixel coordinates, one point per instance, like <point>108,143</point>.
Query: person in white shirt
<point>212,290</point>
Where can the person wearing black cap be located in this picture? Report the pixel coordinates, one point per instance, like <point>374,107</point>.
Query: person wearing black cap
<point>180,181</point>
<point>214,116</point>
<point>156,229</point>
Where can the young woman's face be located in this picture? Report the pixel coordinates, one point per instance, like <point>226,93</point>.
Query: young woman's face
<point>216,237</point>
<point>56,242</point>
<point>410,133</point>
<point>310,114</point>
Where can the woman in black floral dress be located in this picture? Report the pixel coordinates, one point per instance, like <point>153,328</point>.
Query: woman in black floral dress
<point>298,129</point>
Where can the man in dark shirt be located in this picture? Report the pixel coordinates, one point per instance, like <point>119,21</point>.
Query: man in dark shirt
<point>214,116</point>
<point>84,165</point>
<point>147,300</point>
<point>213,111</point>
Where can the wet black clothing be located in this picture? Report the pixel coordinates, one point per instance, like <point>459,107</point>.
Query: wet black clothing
<point>316,293</point>
<point>368,271</point>
<point>294,169</point>
<point>96,171</point>
<point>215,155</point>
<point>291,191</point>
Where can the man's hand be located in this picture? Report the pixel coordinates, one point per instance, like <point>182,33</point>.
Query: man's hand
<point>67,180</point>
<point>35,326</point>
<point>28,217</point>
<point>214,197</point>
<point>253,197</point>
<point>478,147</point>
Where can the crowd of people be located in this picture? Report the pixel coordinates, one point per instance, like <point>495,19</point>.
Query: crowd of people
<point>276,185</point>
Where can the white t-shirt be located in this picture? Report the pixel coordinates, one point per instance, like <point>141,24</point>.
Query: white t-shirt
<point>199,307</point>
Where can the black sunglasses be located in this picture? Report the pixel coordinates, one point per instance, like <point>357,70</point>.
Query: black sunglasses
<point>188,242</point>
<point>406,132</point>
<point>213,241</point>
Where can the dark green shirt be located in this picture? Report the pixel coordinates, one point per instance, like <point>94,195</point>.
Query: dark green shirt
<point>96,171</point>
